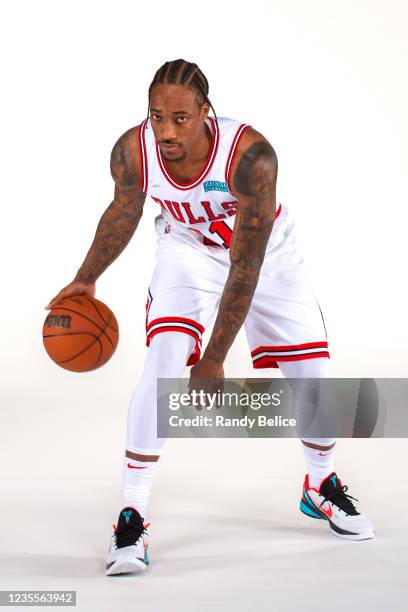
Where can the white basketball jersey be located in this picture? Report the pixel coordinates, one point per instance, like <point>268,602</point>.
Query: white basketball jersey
<point>284,322</point>
<point>205,204</point>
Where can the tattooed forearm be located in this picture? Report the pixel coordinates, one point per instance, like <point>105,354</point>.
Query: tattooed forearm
<point>255,184</point>
<point>120,220</point>
<point>115,229</point>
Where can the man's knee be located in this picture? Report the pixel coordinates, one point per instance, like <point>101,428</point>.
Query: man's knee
<point>305,368</point>
<point>170,351</point>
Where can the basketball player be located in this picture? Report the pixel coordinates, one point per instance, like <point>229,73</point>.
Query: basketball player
<point>226,249</point>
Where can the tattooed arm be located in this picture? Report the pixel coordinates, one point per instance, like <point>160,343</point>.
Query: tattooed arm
<point>254,185</point>
<point>119,221</point>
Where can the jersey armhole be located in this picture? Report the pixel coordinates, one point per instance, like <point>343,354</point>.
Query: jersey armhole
<point>232,153</point>
<point>143,165</point>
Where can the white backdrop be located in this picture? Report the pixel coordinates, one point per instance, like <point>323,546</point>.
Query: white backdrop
<point>326,84</point>
<point>324,81</point>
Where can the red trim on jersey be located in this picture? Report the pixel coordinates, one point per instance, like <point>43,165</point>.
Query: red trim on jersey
<point>288,347</point>
<point>139,139</point>
<point>278,212</point>
<point>198,326</point>
<point>144,175</point>
<point>166,328</point>
<point>172,326</point>
<point>215,139</point>
<point>272,361</point>
<point>233,151</point>
<point>194,357</point>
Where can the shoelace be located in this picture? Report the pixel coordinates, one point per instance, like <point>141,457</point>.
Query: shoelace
<point>340,498</point>
<point>129,535</point>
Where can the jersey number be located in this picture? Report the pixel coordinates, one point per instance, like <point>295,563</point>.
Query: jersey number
<point>223,231</point>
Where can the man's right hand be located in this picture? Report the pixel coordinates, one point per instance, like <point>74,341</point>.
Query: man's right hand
<point>74,288</point>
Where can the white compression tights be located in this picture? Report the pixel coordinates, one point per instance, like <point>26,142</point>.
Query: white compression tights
<point>305,368</point>
<point>319,462</point>
<point>166,358</point>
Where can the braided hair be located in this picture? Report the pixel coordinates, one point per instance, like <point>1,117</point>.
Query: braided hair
<point>181,72</point>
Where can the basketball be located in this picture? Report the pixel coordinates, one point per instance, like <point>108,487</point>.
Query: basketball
<point>80,333</point>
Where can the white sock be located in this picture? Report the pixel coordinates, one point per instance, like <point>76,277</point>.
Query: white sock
<point>137,483</point>
<point>319,463</point>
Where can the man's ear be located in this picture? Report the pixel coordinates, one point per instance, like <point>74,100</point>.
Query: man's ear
<point>205,109</point>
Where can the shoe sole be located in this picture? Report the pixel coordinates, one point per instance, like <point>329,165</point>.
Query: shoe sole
<point>127,566</point>
<point>368,535</point>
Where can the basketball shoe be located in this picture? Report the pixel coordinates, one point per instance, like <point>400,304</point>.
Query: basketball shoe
<point>333,504</point>
<point>128,548</point>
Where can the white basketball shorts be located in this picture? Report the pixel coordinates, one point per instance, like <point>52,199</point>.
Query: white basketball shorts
<point>284,323</point>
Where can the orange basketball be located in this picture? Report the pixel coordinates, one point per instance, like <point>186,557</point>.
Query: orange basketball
<point>80,333</point>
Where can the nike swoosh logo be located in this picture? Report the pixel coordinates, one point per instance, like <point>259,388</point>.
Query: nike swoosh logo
<point>324,454</point>
<point>137,467</point>
<point>328,512</point>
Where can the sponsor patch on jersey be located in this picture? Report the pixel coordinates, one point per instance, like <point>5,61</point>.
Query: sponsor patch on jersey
<point>215,186</point>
